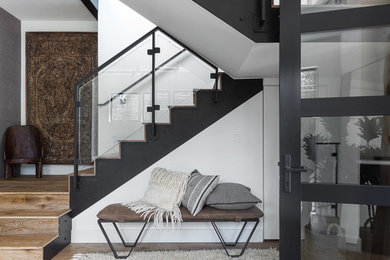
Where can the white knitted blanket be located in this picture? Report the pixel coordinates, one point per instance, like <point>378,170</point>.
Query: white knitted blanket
<point>163,197</point>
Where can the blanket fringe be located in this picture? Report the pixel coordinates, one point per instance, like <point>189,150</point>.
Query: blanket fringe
<point>147,211</point>
<point>170,181</point>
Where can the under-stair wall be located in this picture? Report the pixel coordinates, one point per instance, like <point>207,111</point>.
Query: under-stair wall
<point>231,147</point>
<point>185,123</point>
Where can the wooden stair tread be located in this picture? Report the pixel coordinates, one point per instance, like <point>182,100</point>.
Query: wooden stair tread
<point>32,213</point>
<point>57,184</point>
<point>87,172</point>
<point>110,158</point>
<point>133,141</point>
<point>34,241</point>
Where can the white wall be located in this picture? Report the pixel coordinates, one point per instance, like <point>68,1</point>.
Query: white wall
<point>46,26</point>
<point>271,158</point>
<point>232,148</point>
<point>119,26</point>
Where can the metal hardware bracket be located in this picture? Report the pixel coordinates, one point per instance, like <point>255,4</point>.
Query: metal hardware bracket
<point>154,51</point>
<point>213,75</point>
<point>151,109</point>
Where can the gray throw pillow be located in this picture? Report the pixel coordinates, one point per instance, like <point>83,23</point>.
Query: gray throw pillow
<point>198,189</point>
<point>232,196</point>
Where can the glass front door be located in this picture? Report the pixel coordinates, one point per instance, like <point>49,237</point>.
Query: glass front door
<point>337,206</point>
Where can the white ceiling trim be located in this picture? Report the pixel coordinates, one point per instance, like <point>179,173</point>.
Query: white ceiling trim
<point>47,10</point>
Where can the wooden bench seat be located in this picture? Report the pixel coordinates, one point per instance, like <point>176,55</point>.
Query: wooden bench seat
<point>117,213</point>
<point>120,214</point>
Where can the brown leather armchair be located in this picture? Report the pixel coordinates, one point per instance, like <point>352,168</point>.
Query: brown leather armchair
<point>22,144</point>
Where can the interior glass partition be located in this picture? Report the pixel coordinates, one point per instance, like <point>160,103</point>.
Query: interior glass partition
<point>312,6</point>
<point>344,231</point>
<point>334,168</point>
<point>349,62</point>
<point>345,148</point>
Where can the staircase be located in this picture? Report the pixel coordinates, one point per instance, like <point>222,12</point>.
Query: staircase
<point>166,123</point>
<point>34,217</point>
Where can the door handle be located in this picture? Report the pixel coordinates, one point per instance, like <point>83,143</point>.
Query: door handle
<point>288,170</point>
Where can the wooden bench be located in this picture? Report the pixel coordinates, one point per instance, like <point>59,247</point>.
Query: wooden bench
<point>116,213</point>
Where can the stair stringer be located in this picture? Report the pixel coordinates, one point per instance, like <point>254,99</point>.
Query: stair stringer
<point>186,122</point>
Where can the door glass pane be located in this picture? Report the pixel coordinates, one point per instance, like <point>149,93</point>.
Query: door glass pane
<point>346,150</point>
<point>348,63</point>
<point>312,6</point>
<point>344,231</point>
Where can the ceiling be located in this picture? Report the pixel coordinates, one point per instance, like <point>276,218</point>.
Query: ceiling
<point>47,10</point>
<point>240,57</point>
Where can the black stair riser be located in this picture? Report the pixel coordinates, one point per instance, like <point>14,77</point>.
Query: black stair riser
<point>137,156</point>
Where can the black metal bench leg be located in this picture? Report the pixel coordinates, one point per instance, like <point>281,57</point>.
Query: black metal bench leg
<point>132,245</point>
<point>225,245</point>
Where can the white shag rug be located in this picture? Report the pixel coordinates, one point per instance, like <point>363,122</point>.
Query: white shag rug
<point>250,254</point>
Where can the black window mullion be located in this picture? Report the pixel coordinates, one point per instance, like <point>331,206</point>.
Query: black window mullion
<point>345,106</point>
<point>350,194</point>
<point>345,19</point>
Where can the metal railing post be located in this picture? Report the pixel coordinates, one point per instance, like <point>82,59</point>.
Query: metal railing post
<point>216,76</point>
<point>153,84</point>
<point>76,137</point>
<point>154,107</point>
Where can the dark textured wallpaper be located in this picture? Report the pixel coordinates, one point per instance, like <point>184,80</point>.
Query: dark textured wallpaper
<point>10,74</point>
<point>55,61</point>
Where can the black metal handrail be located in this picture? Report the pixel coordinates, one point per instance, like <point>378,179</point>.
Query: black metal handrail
<point>154,107</point>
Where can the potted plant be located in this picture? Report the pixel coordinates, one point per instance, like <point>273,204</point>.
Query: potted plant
<point>370,129</point>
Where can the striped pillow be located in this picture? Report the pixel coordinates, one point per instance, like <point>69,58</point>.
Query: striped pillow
<point>198,189</point>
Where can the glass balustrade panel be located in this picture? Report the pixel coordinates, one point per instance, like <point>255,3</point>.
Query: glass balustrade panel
<point>116,105</point>
<point>115,110</point>
<point>179,74</point>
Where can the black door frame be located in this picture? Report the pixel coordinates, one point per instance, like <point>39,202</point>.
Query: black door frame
<point>292,108</point>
